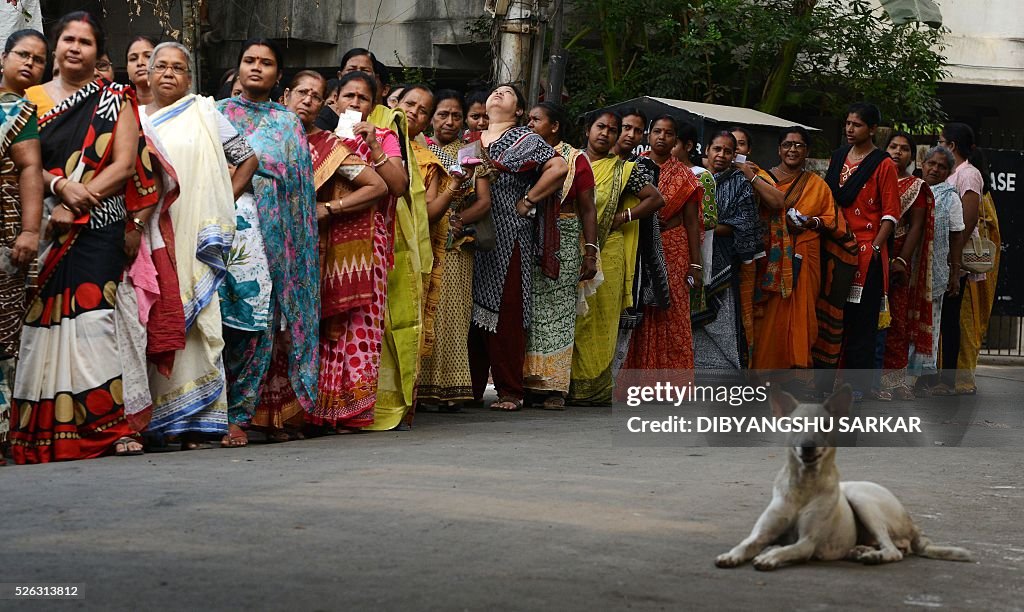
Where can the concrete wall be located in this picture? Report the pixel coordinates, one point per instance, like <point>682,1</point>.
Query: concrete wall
<point>985,45</point>
<point>429,34</point>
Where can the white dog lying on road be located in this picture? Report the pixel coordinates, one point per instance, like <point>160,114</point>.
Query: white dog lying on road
<point>814,516</point>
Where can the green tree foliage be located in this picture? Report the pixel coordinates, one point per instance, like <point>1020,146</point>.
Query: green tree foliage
<point>775,55</point>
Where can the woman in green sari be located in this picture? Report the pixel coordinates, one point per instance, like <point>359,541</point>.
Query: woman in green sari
<point>624,193</point>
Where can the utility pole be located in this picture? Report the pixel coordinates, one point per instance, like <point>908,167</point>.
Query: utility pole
<point>511,62</point>
<point>191,24</point>
<point>537,54</point>
<point>559,56</point>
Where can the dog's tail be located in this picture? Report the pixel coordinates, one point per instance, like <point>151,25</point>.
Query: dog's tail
<point>923,547</point>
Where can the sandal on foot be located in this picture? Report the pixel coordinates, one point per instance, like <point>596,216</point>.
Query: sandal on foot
<point>123,447</point>
<point>903,394</point>
<point>971,391</point>
<point>554,402</point>
<point>881,396</point>
<point>515,404</point>
<point>943,390</point>
<point>236,438</point>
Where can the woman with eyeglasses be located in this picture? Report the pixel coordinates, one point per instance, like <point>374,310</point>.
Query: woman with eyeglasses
<point>72,393</point>
<point>104,67</point>
<point>270,300</point>
<point>353,262</point>
<point>140,49</point>
<point>21,198</point>
<point>787,326</point>
<point>195,145</point>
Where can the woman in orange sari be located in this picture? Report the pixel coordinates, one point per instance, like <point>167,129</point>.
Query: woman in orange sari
<point>788,285</point>
<point>353,265</point>
<point>664,340</point>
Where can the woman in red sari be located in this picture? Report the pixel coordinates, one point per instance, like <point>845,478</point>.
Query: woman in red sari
<point>910,286</point>
<point>863,181</point>
<point>68,396</point>
<point>664,340</point>
<point>353,264</point>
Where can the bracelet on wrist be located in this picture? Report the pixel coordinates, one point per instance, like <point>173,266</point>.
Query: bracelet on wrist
<point>902,261</point>
<point>53,182</point>
<point>591,244</point>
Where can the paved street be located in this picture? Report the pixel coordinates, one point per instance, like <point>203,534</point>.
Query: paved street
<point>484,510</point>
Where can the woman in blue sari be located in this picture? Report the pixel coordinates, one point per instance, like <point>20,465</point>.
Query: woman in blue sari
<point>270,301</point>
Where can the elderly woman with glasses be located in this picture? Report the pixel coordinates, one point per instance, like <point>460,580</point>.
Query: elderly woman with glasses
<point>195,145</point>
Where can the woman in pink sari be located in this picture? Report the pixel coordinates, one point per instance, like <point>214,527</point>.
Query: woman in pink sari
<point>353,269</point>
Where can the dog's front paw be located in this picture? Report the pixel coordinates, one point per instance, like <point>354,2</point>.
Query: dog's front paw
<point>877,557</point>
<point>729,559</point>
<point>766,562</point>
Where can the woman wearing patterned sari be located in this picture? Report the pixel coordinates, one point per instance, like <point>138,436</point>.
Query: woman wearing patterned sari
<point>68,396</point>
<point>788,286</point>
<point>195,145</point>
<point>910,274</point>
<point>409,257</point>
<point>664,340</point>
<point>624,193</point>
<point>444,371</point>
<point>526,172</point>
<point>21,198</point>
<point>270,301</point>
<point>737,240</point>
<point>417,102</point>
<point>686,152</point>
<point>353,264</point>
<point>553,325</point>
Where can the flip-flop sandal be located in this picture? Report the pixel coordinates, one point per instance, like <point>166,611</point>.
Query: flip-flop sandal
<point>903,394</point>
<point>943,390</point>
<point>554,402</point>
<point>121,448</point>
<point>973,391</point>
<point>517,404</point>
<point>236,438</point>
<point>881,396</point>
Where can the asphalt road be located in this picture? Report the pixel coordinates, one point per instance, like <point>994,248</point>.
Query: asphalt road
<point>492,511</point>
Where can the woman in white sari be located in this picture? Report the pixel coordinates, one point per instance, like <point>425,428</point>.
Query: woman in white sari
<point>195,145</point>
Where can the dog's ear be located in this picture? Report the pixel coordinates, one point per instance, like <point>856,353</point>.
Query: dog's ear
<point>781,402</point>
<point>839,404</point>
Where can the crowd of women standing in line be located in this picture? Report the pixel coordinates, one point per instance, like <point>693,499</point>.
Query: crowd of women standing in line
<point>188,269</point>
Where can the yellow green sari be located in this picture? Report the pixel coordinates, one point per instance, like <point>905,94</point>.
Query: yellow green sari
<point>403,319</point>
<point>598,329</point>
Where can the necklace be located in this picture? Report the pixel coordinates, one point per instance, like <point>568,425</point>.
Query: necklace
<point>857,158</point>
<point>783,171</point>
